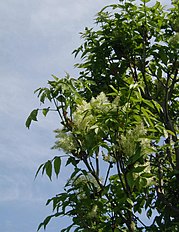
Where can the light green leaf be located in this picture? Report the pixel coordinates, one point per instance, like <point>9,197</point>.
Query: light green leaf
<point>45,111</point>
<point>139,169</point>
<point>130,201</point>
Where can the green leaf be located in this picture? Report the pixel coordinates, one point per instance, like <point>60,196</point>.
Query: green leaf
<point>28,122</point>
<point>57,165</point>
<point>33,114</point>
<point>147,175</point>
<point>41,224</point>
<point>77,170</point>
<point>115,90</point>
<point>139,169</point>
<point>171,132</point>
<point>130,179</point>
<point>149,213</point>
<point>45,222</point>
<point>61,98</point>
<point>32,117</point>
<point>143,182</point>
<point>145,1</point>
<point>117,230</point>
<point>42,97</point>
<point>48,169</point>
<point>71,160</point>
<point>40,167</point>
<point>147,117</point>
<point>159,73</point>
<point>130,201</point>
<point>45,111</point>
<point>165,133</point>
<point>37,90</point>
<point>68,228</point>
<point>55,78</point>
<point>158,106</point>
<point>136,156</point>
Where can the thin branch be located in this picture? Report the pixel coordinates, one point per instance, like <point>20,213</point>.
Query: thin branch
<point>134,73</point>
<point>93,173</point>
<point>138,219</point>
<point>58,109</point>
<point>173,84</point>
<point>154,75</point>
<point>91,164</point>
<point>119,174</point>
<point>170,157</point>
<point>107,174</point>
<point>97,164</point>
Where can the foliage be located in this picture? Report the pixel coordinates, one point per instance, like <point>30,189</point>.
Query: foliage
<point>119,123</point>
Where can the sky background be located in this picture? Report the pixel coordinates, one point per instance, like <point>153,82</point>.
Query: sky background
<point>37,38</point>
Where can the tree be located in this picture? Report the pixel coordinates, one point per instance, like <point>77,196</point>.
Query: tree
<point>119,123</point>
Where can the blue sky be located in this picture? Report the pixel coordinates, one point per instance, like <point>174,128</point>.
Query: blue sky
<point>36,40</point>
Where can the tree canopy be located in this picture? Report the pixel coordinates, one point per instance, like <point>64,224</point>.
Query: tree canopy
<point>119,123</point>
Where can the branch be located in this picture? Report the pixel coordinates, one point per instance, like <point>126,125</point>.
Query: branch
<point>107,174</point>
<point>173,84</point>
<point>90,163</point>
<point>153,74</point>
<point>168,122</point>
<point>97,165</point>
<point>119,174</point>
<point>57,109</point>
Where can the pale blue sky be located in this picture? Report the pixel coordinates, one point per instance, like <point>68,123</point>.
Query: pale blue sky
<point>36,40</point>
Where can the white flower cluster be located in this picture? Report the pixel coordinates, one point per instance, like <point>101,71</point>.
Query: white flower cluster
<point>85,115</point>
<point>128,142</point>
<point>65,141</point>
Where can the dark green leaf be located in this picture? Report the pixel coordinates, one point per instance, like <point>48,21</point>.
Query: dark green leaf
<point>130,179</point>
<point>45,222</point>
<point>57,165</point>
<point>40,167</point>
<point>41,224</point>
<point>68,228</point>
<point>159,73</point>
<point>149,213</point>
<point>71,160</point>
<point>48,169</point>
<point>33,115</point>
<point>28,122</point>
